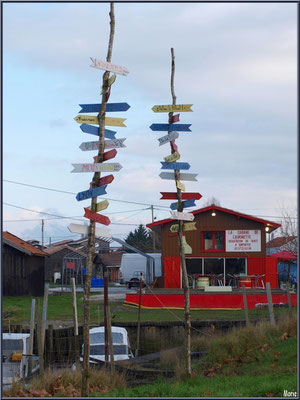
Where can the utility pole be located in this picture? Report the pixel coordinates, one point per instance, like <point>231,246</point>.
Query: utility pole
<point>42,234</point>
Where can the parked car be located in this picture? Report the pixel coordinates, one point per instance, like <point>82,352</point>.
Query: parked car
<point>15,357</point>
<point>121,345</point>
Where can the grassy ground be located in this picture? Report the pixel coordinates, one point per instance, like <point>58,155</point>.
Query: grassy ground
<point>255,361</point>
<point>17,310</point>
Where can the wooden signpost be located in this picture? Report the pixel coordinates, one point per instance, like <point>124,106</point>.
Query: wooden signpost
<point>106,66</point>
<point>84,230</point>
<point>171,127</point>
<point>100,206</point>
<point>168,138</point>
<point>172,108</point>
<point>88,194</point>
<point>185,196</point>
<point>182,176</point>
<point>97,167</point>
<point>175,165</point>
<point>105,180</point>
<point>172,157</point>
<point>108,144</point>
<point>110,107</point>
<point>188,226</point>
<point>174,146</point>
<point>93,216</point>
<point>182,216</point>
<point>94,130</point>
<point>90,119</point>
<point>185,204</point>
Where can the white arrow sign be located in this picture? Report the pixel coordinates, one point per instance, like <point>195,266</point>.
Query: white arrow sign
<point>109,67</point>
<point>108,144</point>
<point>84,229</point>
<point>97,167</point>
<point>168,138</point>
<point>182,176</point>
<point>182,216</point>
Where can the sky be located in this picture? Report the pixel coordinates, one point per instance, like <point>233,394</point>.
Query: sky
<point>235,62</point>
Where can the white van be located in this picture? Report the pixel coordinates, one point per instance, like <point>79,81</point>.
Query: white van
<point>133,264</point>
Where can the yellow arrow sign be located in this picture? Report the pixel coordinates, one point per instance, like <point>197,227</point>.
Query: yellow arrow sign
<point>190,226</point>
<point>89,119</point>
<point>180,186</point>
<point>174,107</point>
<point>100,206</point>
<point>173,157</point>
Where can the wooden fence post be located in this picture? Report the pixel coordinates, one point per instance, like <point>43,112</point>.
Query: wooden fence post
<point>139,317</point>
<point>75,322</point>
<point>31,336</point>
<point>270,304</point>
<point>289,297</point>
<point>44,315</point>
<point>111,344</point>
<point>245,305</point>
<point>50,335</point>
<point>39,336</point>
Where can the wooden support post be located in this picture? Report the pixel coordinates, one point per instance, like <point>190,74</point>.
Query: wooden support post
<point>245,305</point>
<point>51,347</point>
<point>105,315</point>
<point>139,317</point>
<point>289,297</point>
<point>75,319</point>
<point>39,336</point>
<point>31,336</point>
<point>111,345</point>
<point>270,304</point>
<point>44,315</point>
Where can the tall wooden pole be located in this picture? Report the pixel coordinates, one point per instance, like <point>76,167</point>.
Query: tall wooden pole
<point>31,336</point>
<point>91,233</point>
<point>139,317</point>
<point>185,282</point>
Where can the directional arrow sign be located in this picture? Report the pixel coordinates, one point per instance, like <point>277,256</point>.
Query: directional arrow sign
<point>105,180</point>
<point>182,176</point>
<point>185,204</point>
<point>97,167</point>
<point>101,219</point>
<point>110,107</point>
<point>172,108</point>
<point>108,144</point>
<point>188,226</point>
<point>171,127</point>
<point>175,118</point>
<point>180,186</point>
<point>185,196</point>
<point>84,230</point>
<point>106,66</point>
<point>90,119</point>
<point>100,206</point>
<point>108,155</point>
<point>182,216</point>
<point>87,194</point>
<point>94,130</point>
<point>175,165</point>
<point>168,138</point>
<point>172,157</point>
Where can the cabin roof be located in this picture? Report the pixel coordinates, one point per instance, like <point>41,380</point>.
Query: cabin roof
<point>21,245</point>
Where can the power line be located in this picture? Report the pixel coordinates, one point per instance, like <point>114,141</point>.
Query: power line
<point>64,191</point>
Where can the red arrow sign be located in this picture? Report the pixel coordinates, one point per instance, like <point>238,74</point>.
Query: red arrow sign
<point>102,219</point>
<point>185,196</point>
<point>108,155</point>
<point>104,181</point>
<point>175,118</point>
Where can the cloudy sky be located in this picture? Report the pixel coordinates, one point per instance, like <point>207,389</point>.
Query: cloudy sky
<point>236,63</point>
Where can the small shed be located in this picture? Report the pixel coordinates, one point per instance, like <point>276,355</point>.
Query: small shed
<point>112,261</point>
<point>23,267</point>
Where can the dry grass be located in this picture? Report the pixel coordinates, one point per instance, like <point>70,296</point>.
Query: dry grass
<point>65,383</point>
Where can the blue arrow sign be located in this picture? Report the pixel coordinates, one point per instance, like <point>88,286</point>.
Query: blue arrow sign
<point>94,130</point>
<point>185,204</point>
<point>175,165</point>
<point>110,107</point>
<point>87,194</point>
<point>171,127</point>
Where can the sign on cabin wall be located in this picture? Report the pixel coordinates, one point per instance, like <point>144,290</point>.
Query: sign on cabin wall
<point>243,240</point>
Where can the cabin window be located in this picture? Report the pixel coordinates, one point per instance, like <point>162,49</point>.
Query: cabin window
<point>214,266</point>
<point>213,241</point>
<point>235,266</point>
<point>194,266</point>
